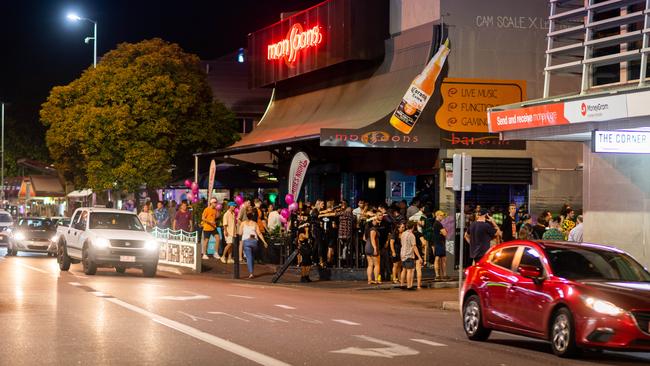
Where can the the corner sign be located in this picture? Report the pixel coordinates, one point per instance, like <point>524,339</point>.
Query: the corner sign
<point>297,40</point>
<point>630,142</point>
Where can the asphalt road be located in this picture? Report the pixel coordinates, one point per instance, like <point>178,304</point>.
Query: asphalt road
<point>51,317</point>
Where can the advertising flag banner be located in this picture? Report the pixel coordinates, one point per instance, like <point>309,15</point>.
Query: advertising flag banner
<point>213,170</point>
<point>407,113</point>
<point>297,173</point>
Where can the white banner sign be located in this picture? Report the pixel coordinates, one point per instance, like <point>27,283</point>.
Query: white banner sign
<point>631,142</point>
<point>213,170</point>
<point>297,173</point>
<point>596,109</point>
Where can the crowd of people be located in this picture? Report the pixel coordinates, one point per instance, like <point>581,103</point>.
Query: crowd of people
<point>395,241</point>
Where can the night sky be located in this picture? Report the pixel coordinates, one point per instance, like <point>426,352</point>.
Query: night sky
<point>40,48</point>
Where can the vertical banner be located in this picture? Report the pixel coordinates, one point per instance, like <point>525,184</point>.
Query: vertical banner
<point>213,170</point>
<point>297,173</point>
<point>418,94</point>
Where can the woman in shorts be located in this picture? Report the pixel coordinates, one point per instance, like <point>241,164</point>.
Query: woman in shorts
<point>372,250</point>
<point>395,251</point>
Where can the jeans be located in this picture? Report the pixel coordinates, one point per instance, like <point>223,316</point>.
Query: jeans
<point>250,245</point>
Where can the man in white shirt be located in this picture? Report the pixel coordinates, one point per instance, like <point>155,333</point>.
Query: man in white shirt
<point>413,208</point>
<point>576,233</point>
<point>360,209</point>
<point>273,220</point>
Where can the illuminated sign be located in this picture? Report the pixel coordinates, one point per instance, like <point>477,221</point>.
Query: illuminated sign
<point>630,142</point>
<point>297,40</point>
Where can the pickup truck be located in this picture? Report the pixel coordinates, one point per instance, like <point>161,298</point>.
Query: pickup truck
<point>102,237</point>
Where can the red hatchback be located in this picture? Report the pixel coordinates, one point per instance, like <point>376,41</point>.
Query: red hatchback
<point>573,295</point>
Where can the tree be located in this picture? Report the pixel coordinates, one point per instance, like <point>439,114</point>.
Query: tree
<point>145,107</point>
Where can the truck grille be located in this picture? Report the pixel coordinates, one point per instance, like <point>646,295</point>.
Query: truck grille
<point>134,244</point>
<point>642,320</point>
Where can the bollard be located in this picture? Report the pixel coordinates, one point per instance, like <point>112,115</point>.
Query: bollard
<point>235,251</point>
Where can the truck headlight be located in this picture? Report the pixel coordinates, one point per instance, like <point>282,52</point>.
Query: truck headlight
<point>602,306</point>
<point>101,243</point>
<point>19,236</point>
<point>151,245</point>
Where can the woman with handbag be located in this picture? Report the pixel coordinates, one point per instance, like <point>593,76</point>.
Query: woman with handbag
<point>250,233</point>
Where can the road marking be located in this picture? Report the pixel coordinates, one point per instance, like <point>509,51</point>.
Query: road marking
<point>241,296</point>
<point>430,343</point>
<point>228,315</point>
<point>285,307</point>
<point>75,283</point>
<point>346,322</point>
<point>98,293</point>
<point>194,318</point>
<point>304,319</point>
<point>391,350</point>
<point>35,269</point>
<point>184,298</point>
<point>266,317</point>
<point>226,345</point>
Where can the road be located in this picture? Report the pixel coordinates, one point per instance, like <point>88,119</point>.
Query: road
<point>50,317</point>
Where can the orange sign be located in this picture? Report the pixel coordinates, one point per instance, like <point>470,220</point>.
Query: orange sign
<point>466,102</point>
<point>529,117</point>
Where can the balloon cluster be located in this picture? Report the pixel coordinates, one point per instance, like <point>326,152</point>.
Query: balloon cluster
<point>192,196</point>
<point>285,213</point>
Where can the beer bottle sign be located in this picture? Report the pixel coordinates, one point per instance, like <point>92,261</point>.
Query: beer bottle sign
<point>419,92</point>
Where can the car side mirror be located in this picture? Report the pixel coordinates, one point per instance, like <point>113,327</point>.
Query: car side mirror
<point>532,272</point>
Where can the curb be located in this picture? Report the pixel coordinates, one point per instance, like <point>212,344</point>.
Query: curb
<point>174,270</point>
<point>451,305</point>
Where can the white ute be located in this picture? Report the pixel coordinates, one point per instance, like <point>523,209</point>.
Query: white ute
<point>102,237</point>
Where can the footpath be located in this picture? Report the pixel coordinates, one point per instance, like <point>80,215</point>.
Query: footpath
<point>434,294</point>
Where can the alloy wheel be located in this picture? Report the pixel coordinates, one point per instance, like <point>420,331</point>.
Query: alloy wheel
<point>472,317</point>
<point>561,332</point>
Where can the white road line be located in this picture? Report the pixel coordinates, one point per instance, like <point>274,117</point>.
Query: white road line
<point>35,269</point>
<point>98,293</point>
<point>228,315</point>
<point>430,343</point>
<point>303,319</point>
<point>241,296</point>
<point>75,283</point>
<point>346,322</point>
<point>193,317</point>
<point>267,317</point>
<point>205,337</point>
<point>285,307</point>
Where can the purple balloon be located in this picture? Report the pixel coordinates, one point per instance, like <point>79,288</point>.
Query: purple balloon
<point>285,213</point>
<point>288,198</point>
<point>219,206</point>
<point>293,206</point>
<point>195,186</point>
<point>195,200</point>
<point>188,183</point>
<point>283,220</point>
<point>190,196</point>
<point>239,200</point>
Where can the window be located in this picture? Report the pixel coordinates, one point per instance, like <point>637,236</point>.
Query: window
<point>5,218</point>
<point>115,221</point>
<point>531,257</point>
<point>589,263</point>
<point>503,258</point>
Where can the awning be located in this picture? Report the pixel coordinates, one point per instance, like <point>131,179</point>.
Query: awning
<point>80,193</point>
<point>348,105</point>
<point>41,186</point>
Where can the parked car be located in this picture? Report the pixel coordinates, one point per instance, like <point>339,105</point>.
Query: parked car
<point>31,234</point>
<point>6,225</point>
<point>57,222</point>
<point>102,237</point>
<point>575,295</point>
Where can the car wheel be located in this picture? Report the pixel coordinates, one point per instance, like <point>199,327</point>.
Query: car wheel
<point>472,322</point>
<point>90,268</point>
<point>62,258</point>
<point>149,270</point>
<point>120,269</point>
<point>563,334</point>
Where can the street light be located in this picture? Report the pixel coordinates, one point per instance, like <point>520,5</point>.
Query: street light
<point>74,18</point>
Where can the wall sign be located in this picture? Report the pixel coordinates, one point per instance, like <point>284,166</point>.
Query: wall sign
<point>629,142</point>
<point>296,40</point>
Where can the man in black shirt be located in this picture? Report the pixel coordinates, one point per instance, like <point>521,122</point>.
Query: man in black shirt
<point>509,227</point>
<point>481,232</point>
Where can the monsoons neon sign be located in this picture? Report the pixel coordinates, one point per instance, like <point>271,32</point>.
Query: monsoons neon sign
<point>297,39</point>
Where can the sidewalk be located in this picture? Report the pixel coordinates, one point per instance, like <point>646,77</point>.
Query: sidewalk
<point>439,294</point>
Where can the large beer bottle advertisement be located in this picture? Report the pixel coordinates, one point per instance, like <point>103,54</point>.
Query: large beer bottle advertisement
<point>407,113</point>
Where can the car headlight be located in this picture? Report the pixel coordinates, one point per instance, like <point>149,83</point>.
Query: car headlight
<point>19,236</point>
<point>151,245</point>
<point>101,243</point>
<point>602,306</point>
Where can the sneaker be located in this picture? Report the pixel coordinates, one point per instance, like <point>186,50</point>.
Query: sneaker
<point>231,261</point>
<point>205,256</point>
<point>250,276</point>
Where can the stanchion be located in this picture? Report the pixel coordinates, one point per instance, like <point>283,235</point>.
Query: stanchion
<point>235,251</point>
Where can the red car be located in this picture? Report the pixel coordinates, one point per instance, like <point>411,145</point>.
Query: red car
<point>574,295</point>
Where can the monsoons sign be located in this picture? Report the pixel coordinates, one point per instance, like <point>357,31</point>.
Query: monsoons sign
<point>297,39</point>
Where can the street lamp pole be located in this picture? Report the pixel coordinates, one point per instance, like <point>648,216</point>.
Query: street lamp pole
<point>74,17</point>
<point>2,164</point>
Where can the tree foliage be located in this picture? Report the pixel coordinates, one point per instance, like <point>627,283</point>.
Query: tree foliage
<point>145,107</point>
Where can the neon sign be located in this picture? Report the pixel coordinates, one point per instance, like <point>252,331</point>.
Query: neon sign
<point>297,39</point>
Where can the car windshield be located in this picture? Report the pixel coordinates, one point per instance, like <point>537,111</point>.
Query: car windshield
<point>595,264</point>
<point>115,221</point>
<point>5,217</point>
<point>35,224</point>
